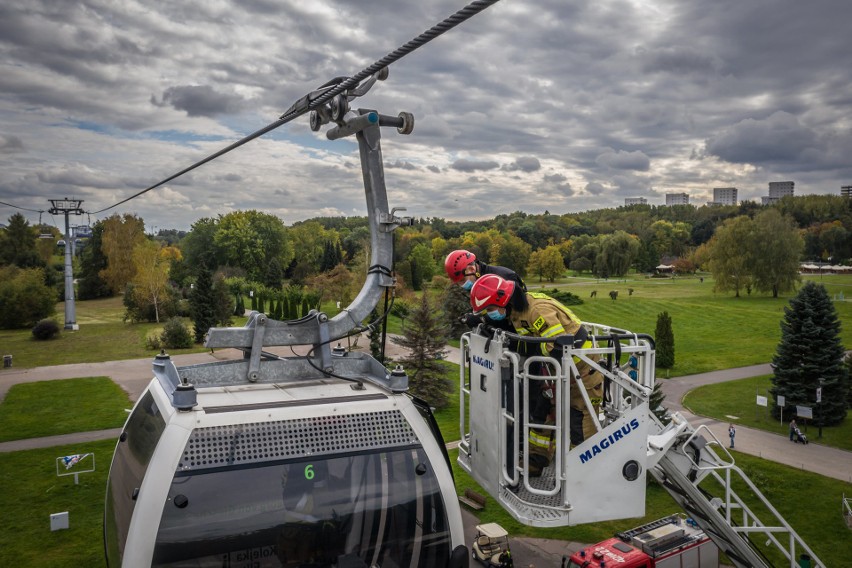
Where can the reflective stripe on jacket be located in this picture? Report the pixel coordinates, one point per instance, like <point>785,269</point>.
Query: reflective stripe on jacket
<point>545,317</point>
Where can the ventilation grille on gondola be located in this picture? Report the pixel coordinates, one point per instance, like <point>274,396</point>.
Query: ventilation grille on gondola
<point>237,444</point>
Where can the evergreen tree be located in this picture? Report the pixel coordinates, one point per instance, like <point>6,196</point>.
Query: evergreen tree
<point>655,403</point>
<point>274,274</point>
<point>425,338</point>
<point>665,341</point>
<point>810,355</point>
<point>202,310</point>
<point>223,308</point>
<point>92,262</point>
<point>456,303</point>
<point>19,244</point>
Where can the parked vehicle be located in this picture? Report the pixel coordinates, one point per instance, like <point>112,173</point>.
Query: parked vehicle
<point>491,545</point>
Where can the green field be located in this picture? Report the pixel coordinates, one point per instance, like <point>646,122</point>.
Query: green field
<point>712,331</point>
<point>51,408</point>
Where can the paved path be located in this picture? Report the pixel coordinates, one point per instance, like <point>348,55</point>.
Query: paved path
<point>815,457</point>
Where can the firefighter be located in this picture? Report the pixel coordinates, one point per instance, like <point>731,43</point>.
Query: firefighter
<point>538,315</point>
<point>463,269</point>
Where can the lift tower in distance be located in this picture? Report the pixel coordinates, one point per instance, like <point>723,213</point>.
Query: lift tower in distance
<point>67,207</point>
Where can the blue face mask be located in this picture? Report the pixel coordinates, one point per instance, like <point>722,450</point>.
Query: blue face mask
<point>496,315</point>
<point>467,285</point>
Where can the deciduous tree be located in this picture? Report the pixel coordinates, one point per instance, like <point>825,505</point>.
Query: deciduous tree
<point>121,234</point>
<point>729,255</point>
<point>151,261</point>
<point>776,250</point>
<point>547,263</point>
<point>618,251</point>
<point>24,297</point>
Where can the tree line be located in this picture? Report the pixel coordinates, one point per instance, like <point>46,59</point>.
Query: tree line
<point>747,248</point>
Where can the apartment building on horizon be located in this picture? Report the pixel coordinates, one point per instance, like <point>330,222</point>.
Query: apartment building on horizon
<point>724,196</point>
<point>677,199</point>
<point>777,190</point>
<point>635,201</point>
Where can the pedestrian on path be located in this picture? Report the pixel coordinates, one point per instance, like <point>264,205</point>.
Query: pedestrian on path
<point>732,432</point>
<point>793,428</point>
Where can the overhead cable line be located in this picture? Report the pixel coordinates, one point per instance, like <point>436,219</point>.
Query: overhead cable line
<point>21,208</point>
<point>326,92</point>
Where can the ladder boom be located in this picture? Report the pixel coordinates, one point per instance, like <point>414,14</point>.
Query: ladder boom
<point>604,476</point>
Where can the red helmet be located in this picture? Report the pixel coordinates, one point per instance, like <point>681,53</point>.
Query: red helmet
<point>490,290</point>
<point>456,263</point>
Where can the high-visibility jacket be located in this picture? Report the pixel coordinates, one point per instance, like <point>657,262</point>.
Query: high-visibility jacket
<point>545,317</point>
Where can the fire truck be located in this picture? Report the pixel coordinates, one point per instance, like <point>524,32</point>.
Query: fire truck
<point>671,542</point>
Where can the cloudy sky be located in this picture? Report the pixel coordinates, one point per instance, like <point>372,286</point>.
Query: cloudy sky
<point>563,105</point>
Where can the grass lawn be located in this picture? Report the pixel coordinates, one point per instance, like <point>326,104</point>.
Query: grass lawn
<point>32,492</point>
<point>51,408</point>
<point>738,398</point>
<point>102,337</point>
<point>712,331</point>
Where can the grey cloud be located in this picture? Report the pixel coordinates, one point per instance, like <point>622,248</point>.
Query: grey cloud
<point>77,177</point>
<point>10,144</point>
<point>679,60</point>
<point>464,165</point>
<point>524,164</point>
<point>776,138</point>
<point>548,86</point>
<point>594,188</point>
<point>199,100</point>
<point>400,164</point>
<point>622,160</point>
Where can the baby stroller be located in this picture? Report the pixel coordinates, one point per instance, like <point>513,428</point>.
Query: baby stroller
<point>800,437</point>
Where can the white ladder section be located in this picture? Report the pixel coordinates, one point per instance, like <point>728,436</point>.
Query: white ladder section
<point>604,477</point>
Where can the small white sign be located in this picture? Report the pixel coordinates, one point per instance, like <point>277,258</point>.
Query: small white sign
<point>819,394</point>
<point>780,400</point>
<point>59,521</point>
<point>761,401</point>
<point>804,412</point>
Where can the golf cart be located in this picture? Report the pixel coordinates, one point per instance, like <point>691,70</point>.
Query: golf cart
<point>491,546</point>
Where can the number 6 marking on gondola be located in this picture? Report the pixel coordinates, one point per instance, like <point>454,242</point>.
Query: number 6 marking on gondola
<point>309,471</point>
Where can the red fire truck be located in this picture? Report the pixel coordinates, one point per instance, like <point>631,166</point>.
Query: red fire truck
<point>671,542</point>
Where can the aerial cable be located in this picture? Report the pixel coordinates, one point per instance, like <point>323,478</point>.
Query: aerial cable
<point>21,208</point>
<point>326,92</point>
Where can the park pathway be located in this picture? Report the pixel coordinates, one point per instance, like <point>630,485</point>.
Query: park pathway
<point>134,375</point>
